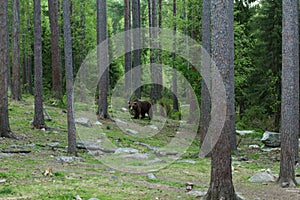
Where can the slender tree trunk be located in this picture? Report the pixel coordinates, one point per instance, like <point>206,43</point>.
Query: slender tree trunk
<point>290,93</point>
<point>206,71</point>
<point>174,77</point>
<point>16,83</point>
<point>38,121</point>
<point>128,58</point>
<point>69,79</point>
<point>102,61</point>
<point>55,49</point>
<point>136,45</point>
<point>221,186</point>
<point>156,71</point>
<point>4,54</point>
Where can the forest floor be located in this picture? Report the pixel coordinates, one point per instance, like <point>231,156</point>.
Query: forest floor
<point>38,175</point>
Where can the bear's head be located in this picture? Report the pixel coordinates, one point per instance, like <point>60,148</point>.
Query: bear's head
<point>133,106</point>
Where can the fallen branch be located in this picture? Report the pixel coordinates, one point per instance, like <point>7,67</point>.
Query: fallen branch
<point>16,151</point>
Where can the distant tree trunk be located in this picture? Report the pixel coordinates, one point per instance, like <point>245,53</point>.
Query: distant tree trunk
<point>127,44</point>
<point>102,61</point>
<point>69,79</point>
<point>174,77</point>
<point>221,186</point>
<point>290,93</point>
<point>205,85</point>
<point>38,121</point>
<point>156,71</point>
<point>4,54</point>
<point>30,87</point>
<point>136,24</point>
<point>55,49</point>
<point>16,83</point>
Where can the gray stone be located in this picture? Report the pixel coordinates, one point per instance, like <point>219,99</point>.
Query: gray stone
<point>263,177</point>
<point>136,156</point>
<point>197,193</point>
<point>98,123</point>
<point>126,150</point>
<point>254,146</point>
<point>271,139</point>
<point>155,160</point>
<point>187,161</point>
<point>131,131</point>
<point>244,132</point>
<point>270,149</point>
<point>53,144</point>
<point>124,109</point>
<point>93,199</point>
<point>151,176</point>
<point>68,159</point>
<point>6,155</point>
<point>153,127</point>
<point>2,180</point>
<point>83,121</point>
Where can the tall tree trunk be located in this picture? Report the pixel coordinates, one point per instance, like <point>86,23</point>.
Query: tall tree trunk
<point>174,77</point>
<point>55,49</point>
<point>127,44</point>
<point>290,93</point>
<point>69,79</point>
<point>221,186</point>
<point>4,54</point>
<point>136,24</point>
<point>38,121</point>
<point>16,83</point>
<point>156,71</point>
<point>102,61</point>
<point>206,74</point>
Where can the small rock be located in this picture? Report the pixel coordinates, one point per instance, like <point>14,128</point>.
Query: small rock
<point>243,158</point>
<point>285,184</point>
<point>189,186</point>
<point>6,155</point>
<point>2,180</point>
<point>15,146</point>
<point>98,123</point>
<point>137,156</point>
<point>30,145</point>
<point>197,193</point>
<point>83,122</point>
<point>126,150</point>
<point>187,161</point>
<point>153,127</point>
<point>244,132</point>
<point>68,159</point>
<point>124,109</point>
<point>254,146</point>
<point>53,144</point>
<point>240,197</point>
<point>271,139</point>
<point>96,153</point>
<point>263,177</point>
<point>151,176</point>
<point>93,199</point>
<point>155,160</point>
<point>131,131</point>
<point>270,149</point>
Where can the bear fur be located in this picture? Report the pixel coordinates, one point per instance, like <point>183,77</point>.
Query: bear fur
<point>139,108</point>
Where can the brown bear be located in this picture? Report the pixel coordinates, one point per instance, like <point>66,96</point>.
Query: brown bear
<point>139,108</point>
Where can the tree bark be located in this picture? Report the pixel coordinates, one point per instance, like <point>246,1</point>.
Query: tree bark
<point>290,93</point>
<point>4,64</point>
<point>127,44</point>
<point>69,79</point>
<point>38,121</point>
<point>174,77</point>
<point>55,49</point>
<point>102,60</point>
<point>136,45</point>
<point>206,71</point>
<point>16,83</point>
<point>221,186</point>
